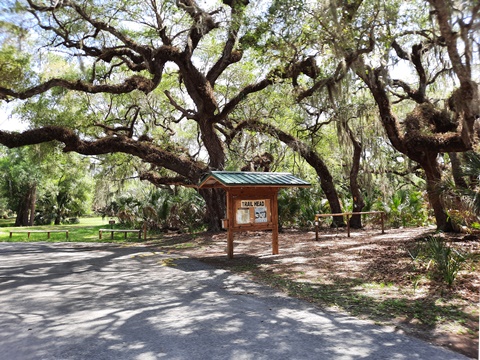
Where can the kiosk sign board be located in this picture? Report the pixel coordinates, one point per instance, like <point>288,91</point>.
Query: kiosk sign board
<point>249,212</point>
<point>251,200</point>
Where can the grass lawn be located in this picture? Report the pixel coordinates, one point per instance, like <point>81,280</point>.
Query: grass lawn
<point>85,231</point>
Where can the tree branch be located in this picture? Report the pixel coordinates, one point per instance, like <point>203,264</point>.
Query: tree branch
<point>185,113</point>
<point>250,89</point>
<point>166,180</point>
<point>228,55</point>
<point>135,82</point>
<point>442,13</point>
<point>203,24</point>
<point>146,151</point>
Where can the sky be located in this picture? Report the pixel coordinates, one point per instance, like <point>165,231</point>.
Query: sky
<point>8,121</point>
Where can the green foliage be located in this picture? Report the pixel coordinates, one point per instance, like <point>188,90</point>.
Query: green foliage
<point>14,68</point>
<point>159,209</point>
<point>19,171</point>
<point>63,186</point>
<point>444,261</point>
<point>67,191</point>
<point>464,202</point>
<point>297,207</point>
<point>406,208</point>
<point>5,212</point>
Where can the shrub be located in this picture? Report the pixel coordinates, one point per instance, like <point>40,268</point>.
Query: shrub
<point>444,260</point>
<point>159,209</point>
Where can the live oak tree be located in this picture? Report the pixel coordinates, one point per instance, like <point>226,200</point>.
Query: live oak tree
<point>124,48</point>
<point>438,123</point>
<point>418,61</point>
<point>148,69</point>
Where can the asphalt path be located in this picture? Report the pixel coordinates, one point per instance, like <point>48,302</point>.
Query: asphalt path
<point>100,301</point>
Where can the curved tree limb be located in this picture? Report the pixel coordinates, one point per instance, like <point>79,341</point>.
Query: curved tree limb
<point>443,13</point>
<point>247,90</point>
<point>203,24</point>
<point>308,153</point>
<point>166,180</point>
<point>146,151</point>
<point>229,56</point>
<point>130,84</point>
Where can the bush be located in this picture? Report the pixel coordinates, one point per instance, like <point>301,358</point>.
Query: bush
<point>298,207</point>
<point>444,260</point>
<point>406,208</point>
<point>159,209</point>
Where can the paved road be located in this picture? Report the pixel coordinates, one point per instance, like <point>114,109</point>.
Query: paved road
<point>84,301</point>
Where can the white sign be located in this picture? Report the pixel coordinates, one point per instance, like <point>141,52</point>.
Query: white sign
<point>243,216</point>
<point>260,214</point>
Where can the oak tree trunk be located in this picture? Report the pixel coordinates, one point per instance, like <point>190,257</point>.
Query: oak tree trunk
<point>215,207</point>
<point>433,176</point>
<point>457,171</point>
<point>358,203</point>
<point>33,202</point>
<point>26,208</point>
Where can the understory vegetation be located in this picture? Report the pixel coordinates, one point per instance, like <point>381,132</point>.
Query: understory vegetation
<point>440,259</point>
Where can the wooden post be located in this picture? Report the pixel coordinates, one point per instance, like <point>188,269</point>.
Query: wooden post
<point>348,226</point>
<point>230,216</point>
<point>274,209</point>
<point>275,241</point>
<point>383,226</point>
<point>230,243</point>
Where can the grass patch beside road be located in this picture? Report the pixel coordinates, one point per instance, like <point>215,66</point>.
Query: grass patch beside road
<point>85,231</point>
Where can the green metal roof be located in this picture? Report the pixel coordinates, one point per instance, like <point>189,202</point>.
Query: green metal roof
<point>243,178</point>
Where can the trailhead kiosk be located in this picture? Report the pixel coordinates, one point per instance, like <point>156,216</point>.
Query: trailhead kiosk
<point>251,200</point>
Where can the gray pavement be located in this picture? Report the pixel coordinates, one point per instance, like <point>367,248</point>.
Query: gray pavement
<point>100,301</point>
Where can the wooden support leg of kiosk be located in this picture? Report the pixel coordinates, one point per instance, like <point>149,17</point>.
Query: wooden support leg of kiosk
<point>230,244</point>
<point>275,223</point>
<point>275,241</point>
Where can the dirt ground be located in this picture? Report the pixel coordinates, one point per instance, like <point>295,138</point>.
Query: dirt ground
<point>369,275</point>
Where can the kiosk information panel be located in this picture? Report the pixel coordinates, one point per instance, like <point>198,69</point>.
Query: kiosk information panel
<point>255,211</point>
